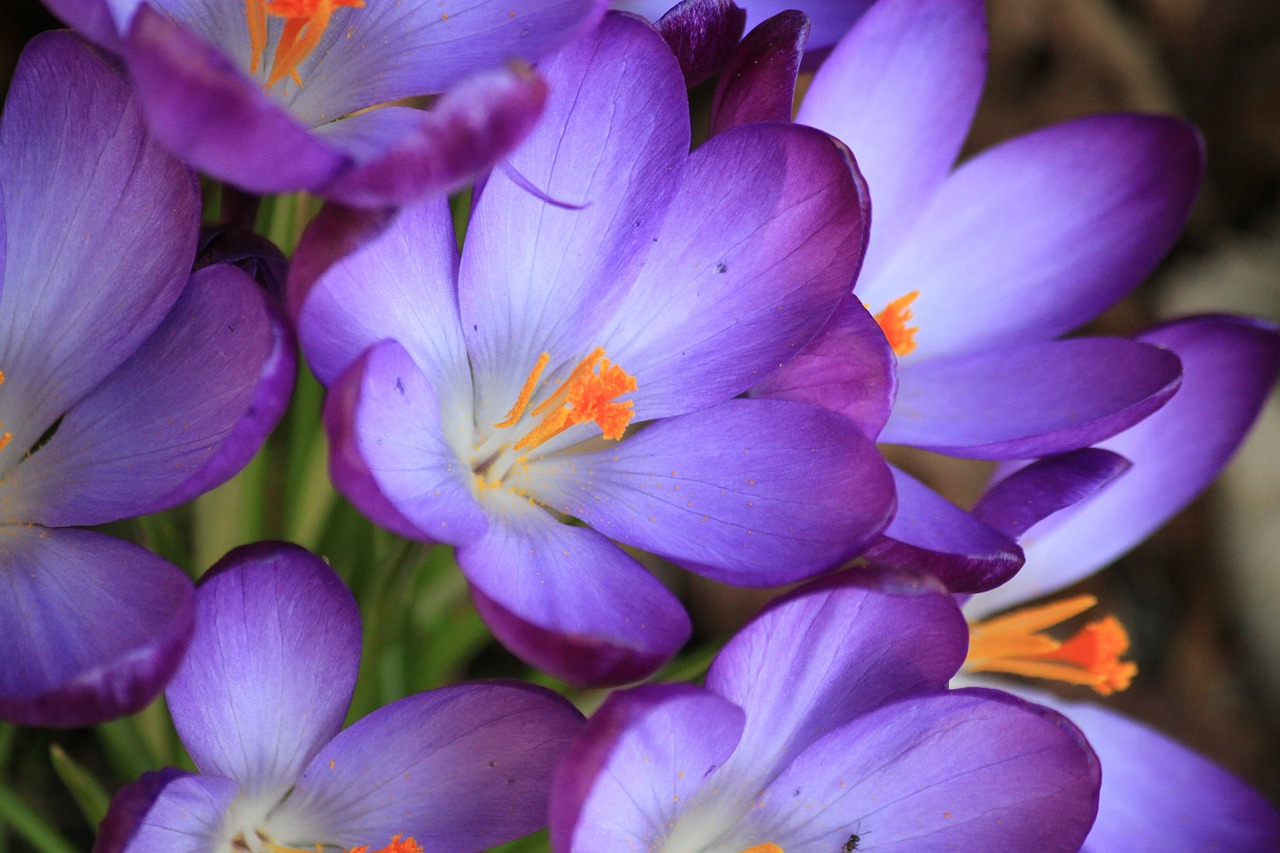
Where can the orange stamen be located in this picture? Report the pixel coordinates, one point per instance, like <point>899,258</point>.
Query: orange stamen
<point>305,23</point>
<point>526,392</point>
<point>408,845</point>
<point>8,436</point>
<point>893,322</point>
<point>1013,643</point>
<point>587,396</point>
<point>769,847</point>
<point>256,14</point>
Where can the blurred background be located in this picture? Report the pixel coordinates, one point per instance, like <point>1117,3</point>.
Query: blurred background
<point>1202,598</point>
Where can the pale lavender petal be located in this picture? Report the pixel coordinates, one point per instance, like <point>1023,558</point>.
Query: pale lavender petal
<point>901,90</point>
<point>129,806</point>
<point>1031,494</point>
<point>612,142</point>
<point>970,769</point>
<point>1037,236</point>
<point>848,368</point>
<point>638,761</point>
<point>759,83</point>
<point>1229,366</point>
<point>100,227</point>
<point>703,35</point>
<point>568,601</point>
<point>751,492</point>
<point>186,816</point>
<point>185,413</point>
<point>456,769</point>
<point>930,534</point>
<point>1032,400</point>
<point>272,665</point>
<point>868,638</point>
<point>100,21</point>
<point>93,627</point>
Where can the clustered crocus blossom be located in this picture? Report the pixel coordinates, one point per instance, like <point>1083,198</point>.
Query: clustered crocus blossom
<point>129,384</point>
<point>855,743</point>
<point>275,95</point>
<point>584,363</point>
<point>259,704</point>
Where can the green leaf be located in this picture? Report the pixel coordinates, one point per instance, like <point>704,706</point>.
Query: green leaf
<point>85,790</point>
<point>17,815</point>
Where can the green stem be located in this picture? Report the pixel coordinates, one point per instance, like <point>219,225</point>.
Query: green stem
<point>26,823</point>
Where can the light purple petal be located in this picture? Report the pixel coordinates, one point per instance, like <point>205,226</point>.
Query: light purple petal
<point>129,806</point>
<point>186,412</point>
<point>100,227</point>
<point>868,638</point>
<point>930,534</point>
<point>568,601</point>
<point>1229,365</point>
<point>636,764</point>
<point>703,35</point>
<point>272,665</point>
<point>969,769</point>
<point>388,453</point>
<point>831,18</point>
<point>759,83</point>
<point>760,244</point>
<point>1033,493</point>
<point>848,368</point>
<point>93,627</point>
<point>1038,235</point>
<point>185,817</point>
<point>96,20</point>
<point>1028,401</point>
<point>751,492</point>
<point>901,90</point>
<point>612,142</point>
<point>456,769</point>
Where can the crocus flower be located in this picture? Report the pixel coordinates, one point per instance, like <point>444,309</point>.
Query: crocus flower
<point>974,271</point>
<point>130,385</point>
<point>825,725</point>
<point>485,401</point>
<point>274,95</point>
<point>1157,795</point>
<point>259,704</point>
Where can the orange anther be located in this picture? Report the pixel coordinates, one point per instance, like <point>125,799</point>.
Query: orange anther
<point>408,845</point>
<point>893,322</point>
<point>587,396</point>
<point>526,392</point>
<point>304,26</point>
<point>769,847</point>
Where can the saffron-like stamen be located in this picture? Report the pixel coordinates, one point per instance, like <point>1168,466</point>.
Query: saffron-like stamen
<point>587,396</point>
<point>893,322</point>
<point>408,845</point>
<point>1013,643</point>
<point>255,13</point>
<point>768,847</point>
<point>525,393</point>
<point>305,23</point>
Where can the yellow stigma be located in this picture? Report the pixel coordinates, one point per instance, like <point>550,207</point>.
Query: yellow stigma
<point>1013,643</point>
<point>304,24</point>
<point>587,396</point>
<point>893,322</point>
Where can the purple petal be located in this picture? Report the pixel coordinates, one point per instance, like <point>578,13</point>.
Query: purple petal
<point>831,18</point>
<point>868,637</point>
<point>901,90</point>
<point>969,769</point>
<point>569,602</point>
<point>253,254</point>
<point>1033,400</point>
<point>456,769</point>
<point>761,243</point>
<point>703,35</point>
<point>184,414</point>
<point>213,116</point>
<point>1229,365</point>
<point>96,20</point>
<point>637,762</point>
<point>759,83</point>
<point>848,368</point>
<point>468,130</point>
<point>129,807</point>
<point>751,492</point>
<point>100,228</point>
<point>186,816</point>
<point>93,627</point>
<point>272,665</point>
<point>930,534</point>
<point>388,453</point>
<point>1035,237</point>
<point>536,277</point>
<point>1148,782</point>
<point>1035,492</point>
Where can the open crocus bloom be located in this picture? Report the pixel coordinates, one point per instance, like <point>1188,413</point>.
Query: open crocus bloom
<point>275,95</point>
<point>481,401</point>
<point>129,385</point>
<point>825,725</point>
<point>974,271</point>
<point>259,704</point>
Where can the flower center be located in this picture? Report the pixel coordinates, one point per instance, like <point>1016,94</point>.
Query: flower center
<point>893,322</point>
<point>304,24</point>
<point>1013,643</point>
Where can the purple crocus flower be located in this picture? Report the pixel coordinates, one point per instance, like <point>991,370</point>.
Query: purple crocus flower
<point>130,385</point>
<point>274,95</point>
<point>974,271</point>
<point>825,725</point>
<point>478,401</point>
<point>259,704</point>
